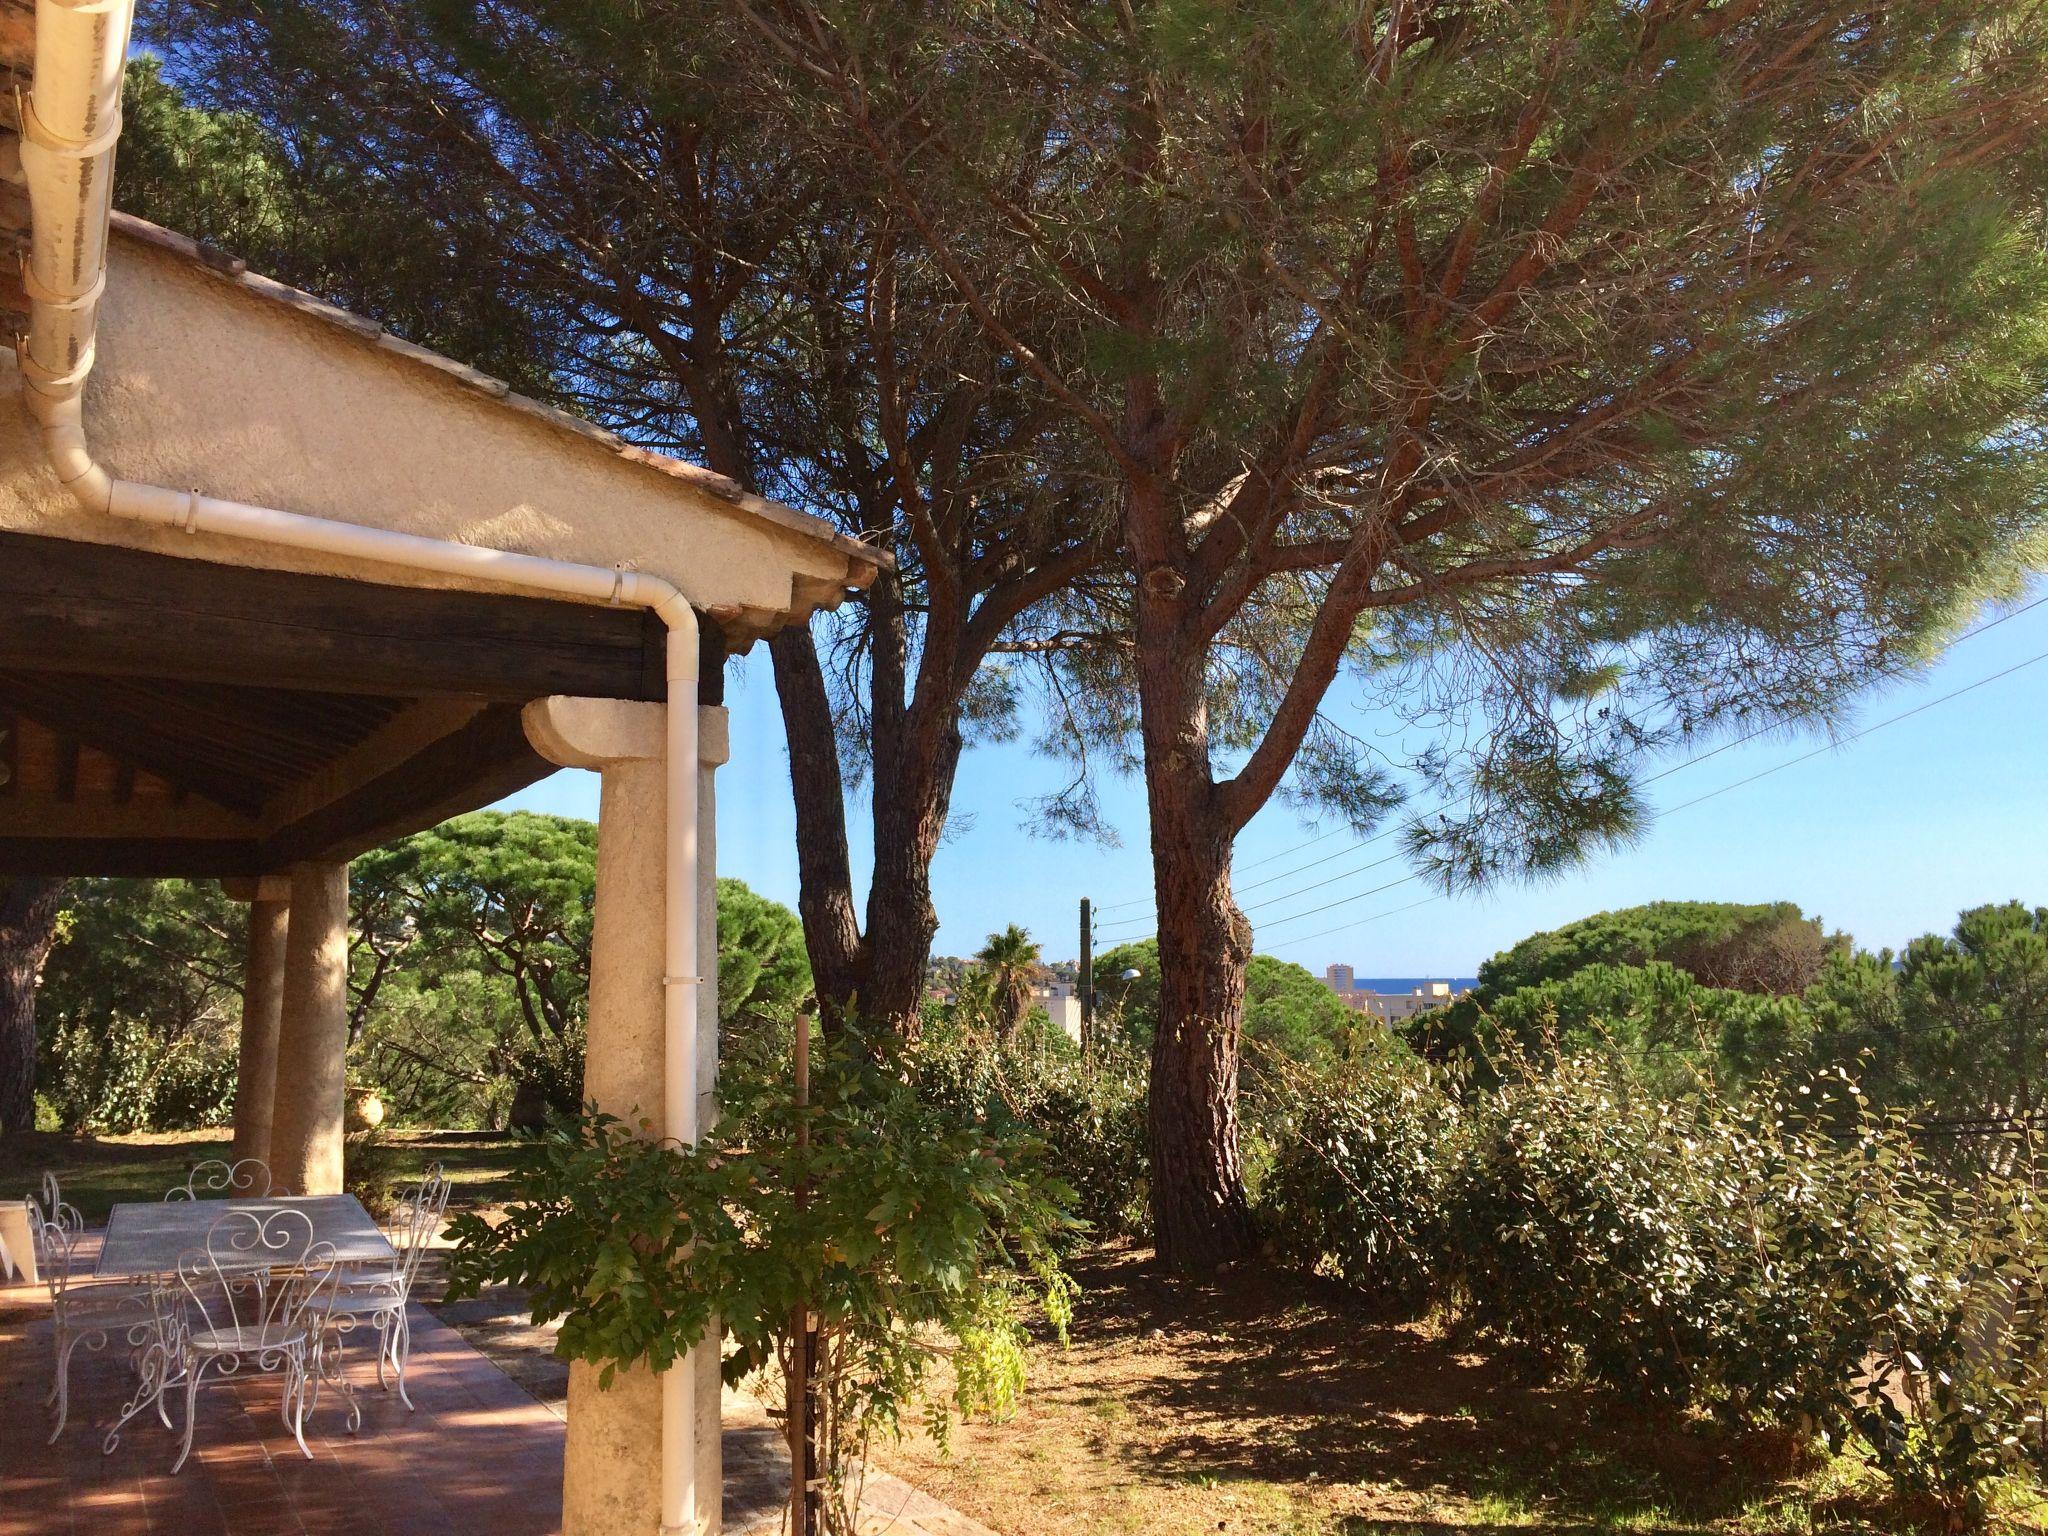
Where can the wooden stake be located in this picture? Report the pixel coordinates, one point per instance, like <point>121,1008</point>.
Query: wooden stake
<point>798,1405</point>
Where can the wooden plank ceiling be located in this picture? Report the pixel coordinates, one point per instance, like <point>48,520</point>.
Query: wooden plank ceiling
<point>163,716</point>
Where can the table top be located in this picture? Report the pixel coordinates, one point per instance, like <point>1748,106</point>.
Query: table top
<point>145,1237</point>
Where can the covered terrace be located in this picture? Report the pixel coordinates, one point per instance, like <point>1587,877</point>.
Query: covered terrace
<point>276,587</point>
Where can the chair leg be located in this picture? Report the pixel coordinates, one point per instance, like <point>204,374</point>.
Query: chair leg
<point>306,1381</point>
<point>401,1353</point>
<point>57,1334</point>
<point>338,1374</point>
<point>195,1367</point>
<point>60,1389</point>
<point>91,1338</point>
<point>153,1388</point>
<point>299,1416</point>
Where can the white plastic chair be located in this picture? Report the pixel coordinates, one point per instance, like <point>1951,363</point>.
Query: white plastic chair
<point>219,1179</point>
<point>254,1296</point>
<point>375,1295</point>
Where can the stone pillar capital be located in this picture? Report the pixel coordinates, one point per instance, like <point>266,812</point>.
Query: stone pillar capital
<point>714,736</point>
<point>593,733</point>
<point>597,733</point>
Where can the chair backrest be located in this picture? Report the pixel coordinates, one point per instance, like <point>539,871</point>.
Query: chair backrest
<point>258,1272</point>
<point>54,1242</point>
<point>217,1178</point>
<point>417,1222</point>
<point>54,1209</point>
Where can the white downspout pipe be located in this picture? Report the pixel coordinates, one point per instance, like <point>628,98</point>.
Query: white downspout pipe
<point>69,127</point>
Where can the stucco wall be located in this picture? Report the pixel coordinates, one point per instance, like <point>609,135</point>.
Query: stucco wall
<point>202,384</point>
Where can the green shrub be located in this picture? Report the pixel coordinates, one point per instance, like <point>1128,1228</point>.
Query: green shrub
<point>195,1087</point>
<point>97,1079</point>
<point>371,1169</point>
<point>1738,1258</point>
<point>1656,1016</point>
<point>548,1078</point>
<point>121,1076</point>
<point>1089,1118</point>
<point>1766,947</point>
<point>909,1233</point>
<point>1566,1233</point>
<point>1357,1169</point>
<point>1959,1396</point>
<point>1784,1260</point>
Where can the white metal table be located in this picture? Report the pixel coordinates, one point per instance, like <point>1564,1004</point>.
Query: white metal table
<point>145,1238</point>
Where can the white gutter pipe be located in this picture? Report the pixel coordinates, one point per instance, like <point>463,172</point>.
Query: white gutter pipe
<point>69,127</point>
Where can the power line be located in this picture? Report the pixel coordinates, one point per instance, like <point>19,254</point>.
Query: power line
<point>1856,736</point>
<point>1726,746</point>
<point>1345,901</point>
<point>1331,880</point>
<point>1376,917</point>
<point>1852,737</point>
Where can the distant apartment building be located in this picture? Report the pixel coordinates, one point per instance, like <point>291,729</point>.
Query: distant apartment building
<point>1388,1007</point>
<point>1062,1004</point>
<point>1056,993</point>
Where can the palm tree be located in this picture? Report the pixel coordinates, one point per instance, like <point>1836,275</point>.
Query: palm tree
<point>1011,960</point>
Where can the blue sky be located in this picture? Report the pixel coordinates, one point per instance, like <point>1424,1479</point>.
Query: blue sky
<point>1887,837</point>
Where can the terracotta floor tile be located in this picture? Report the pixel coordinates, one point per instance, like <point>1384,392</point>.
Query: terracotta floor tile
<point>478,1458</point>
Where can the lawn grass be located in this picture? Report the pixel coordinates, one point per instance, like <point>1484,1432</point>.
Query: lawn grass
<point>98,1171</point>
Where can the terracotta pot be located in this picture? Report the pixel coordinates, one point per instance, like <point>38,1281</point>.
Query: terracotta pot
<point>364,1111</point>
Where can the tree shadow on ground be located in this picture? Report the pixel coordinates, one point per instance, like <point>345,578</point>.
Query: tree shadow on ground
<point>1281,1378</point>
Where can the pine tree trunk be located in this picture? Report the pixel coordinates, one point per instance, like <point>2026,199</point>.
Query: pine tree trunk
<point>880,972</point>
<point>1199,1216</point>
<point>911,802</point>
<point>28,925</point>
<point>832,935</point>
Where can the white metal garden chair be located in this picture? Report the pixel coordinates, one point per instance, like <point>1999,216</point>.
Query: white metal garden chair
<point>83,1311</point>
<point>219,1179</point>
<point>254,1297</point>
<point>55,1209</point>
<point>375,1296</point>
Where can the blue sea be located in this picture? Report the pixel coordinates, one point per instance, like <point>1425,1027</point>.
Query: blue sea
<point>1398,984</point>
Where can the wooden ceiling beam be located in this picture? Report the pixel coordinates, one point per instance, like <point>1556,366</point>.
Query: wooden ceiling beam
<point>484,760</point>
<point>392,744</point>
<point>52,703</point>
<point>196,820</point>
<point>109,611</point>
<point>156,859</point>
<point>35,758</point>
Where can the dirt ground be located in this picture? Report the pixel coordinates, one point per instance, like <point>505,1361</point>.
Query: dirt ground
<point>1260,1406</point>
<point>1265,1408</point>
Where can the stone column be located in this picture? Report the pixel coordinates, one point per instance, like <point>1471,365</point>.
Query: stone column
<point>611,1479</point>
<point>269,900</point>
<point>312,1036</point>
<point>714,748</point>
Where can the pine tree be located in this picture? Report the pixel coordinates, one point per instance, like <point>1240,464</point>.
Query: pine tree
<point>1577,379</point>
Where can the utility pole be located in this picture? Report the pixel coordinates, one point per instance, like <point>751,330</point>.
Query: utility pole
<point>1087,977</point>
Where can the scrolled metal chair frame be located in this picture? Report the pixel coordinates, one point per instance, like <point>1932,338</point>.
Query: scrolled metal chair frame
<point>86,1315</point>
<point>55,1208</point>
<point>255,1295</point>
<point>376,1296</point>
<point>247,1178</point>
